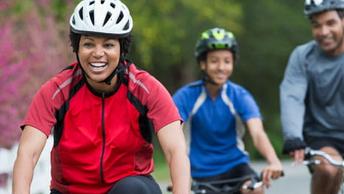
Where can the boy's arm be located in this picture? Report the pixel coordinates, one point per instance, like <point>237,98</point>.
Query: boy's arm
<point>262,143</point>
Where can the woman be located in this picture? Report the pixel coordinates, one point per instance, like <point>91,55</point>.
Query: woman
<point>103,111</point>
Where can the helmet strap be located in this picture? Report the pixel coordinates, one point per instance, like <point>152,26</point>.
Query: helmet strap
<point>115,71</point>
<point>82,69</point>
<point>112,75</point>
<point>207,79</point>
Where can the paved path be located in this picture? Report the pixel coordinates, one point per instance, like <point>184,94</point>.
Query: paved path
<point>295,181</point>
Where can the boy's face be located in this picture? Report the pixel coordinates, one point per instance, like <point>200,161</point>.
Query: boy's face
<point>328,31</point>
<point>218,66</point>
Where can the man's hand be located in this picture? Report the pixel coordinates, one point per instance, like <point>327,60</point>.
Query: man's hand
<point>298,155</point>
<point>292,145</point>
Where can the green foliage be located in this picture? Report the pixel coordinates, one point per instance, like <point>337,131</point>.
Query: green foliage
<point>161,170</point>
<point>165,33</point>
<point>272,28</point>
<point>21,7</point>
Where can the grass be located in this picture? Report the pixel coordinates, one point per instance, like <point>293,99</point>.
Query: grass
<point>161,171</point>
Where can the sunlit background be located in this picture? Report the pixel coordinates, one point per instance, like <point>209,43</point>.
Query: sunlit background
<point>34,45</point>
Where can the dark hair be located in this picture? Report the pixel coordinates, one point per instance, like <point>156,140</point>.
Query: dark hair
<point>203,56</point>
<point>124,42</point>
<point>340,13</point>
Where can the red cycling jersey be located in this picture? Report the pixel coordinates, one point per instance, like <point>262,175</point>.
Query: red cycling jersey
<point>100,138</point>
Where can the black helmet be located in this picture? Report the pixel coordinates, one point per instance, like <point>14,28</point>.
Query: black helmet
<point>216,38</point>
<point>316,6</point>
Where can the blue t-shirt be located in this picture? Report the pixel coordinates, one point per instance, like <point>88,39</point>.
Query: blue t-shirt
<point>215,126</point>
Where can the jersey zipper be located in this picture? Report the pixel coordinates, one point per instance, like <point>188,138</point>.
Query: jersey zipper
<point>103,138</point>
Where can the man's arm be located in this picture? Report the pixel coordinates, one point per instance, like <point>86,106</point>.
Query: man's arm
<point>292,95</point>
<point>172,141</point>
<point>31,144</point>
<point>292,101</point>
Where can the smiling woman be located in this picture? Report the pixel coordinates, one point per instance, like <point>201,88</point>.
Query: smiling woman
<point>103,112</point>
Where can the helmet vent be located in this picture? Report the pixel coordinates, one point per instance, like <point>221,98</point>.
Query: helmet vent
<point>92,16</point>
<point>215,39</point>
<point>126,26</point>
<point>120,17</point>
<point>108,16</point>
<point>80,14</point>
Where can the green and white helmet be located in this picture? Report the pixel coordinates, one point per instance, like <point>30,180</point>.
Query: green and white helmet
<point>317,6</point>
<point>215,39</point>
<point>108,17</point>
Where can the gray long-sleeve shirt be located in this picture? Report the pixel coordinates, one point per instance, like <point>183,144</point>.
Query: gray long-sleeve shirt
<point>312,94</point>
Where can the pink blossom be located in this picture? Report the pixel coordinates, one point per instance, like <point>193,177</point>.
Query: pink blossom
<point>4,5</point>
<point>33,48</point>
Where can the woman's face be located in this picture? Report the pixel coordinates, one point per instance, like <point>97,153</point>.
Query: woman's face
<point>99,56</point>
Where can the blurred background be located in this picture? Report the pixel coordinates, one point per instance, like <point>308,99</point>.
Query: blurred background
<point>34,45</point>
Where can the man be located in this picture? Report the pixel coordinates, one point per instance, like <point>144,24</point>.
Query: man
<point>312,94</point>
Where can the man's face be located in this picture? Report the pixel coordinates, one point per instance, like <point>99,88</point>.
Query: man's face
<point>327,30</point>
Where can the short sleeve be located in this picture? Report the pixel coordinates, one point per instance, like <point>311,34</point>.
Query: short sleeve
<point>246,105</point>
<point>161,108</point>
<point>181,100</point>
<point>40,114</point>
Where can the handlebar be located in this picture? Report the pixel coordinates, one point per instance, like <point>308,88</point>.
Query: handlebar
<point>222,186</point>
<point>252,186</point>
<point>310,154</point>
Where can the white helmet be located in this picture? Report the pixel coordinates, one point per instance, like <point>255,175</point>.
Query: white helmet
<point>109,17</point>
<point>317,6</point>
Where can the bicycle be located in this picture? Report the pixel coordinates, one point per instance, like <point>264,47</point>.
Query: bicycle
<point>227,186</point>
<point>310,160</point>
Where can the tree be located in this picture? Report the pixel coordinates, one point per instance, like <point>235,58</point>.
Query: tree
<point>165,34</point>
<point>272,29</point>
<point>11,81</point>
<point>32,49</point>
